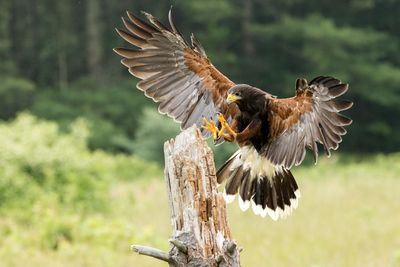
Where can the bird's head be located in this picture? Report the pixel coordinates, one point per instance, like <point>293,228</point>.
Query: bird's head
<point>242,92</point>
<point>237,93</point>
<point>246,97</point>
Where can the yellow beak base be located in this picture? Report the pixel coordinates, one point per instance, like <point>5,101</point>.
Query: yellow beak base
<point>231,98</point>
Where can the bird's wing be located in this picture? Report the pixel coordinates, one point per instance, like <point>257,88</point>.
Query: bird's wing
<point>309,117</point>
<point>177,75</point>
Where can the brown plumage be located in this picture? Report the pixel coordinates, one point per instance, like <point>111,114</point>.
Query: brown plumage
<point>177,75</point>
<point>272,133</point>
<point>314,110</point>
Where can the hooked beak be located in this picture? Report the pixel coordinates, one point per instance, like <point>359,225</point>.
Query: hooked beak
<point>232,98</point>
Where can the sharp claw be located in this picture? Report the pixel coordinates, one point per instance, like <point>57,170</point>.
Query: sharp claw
<point>210,126</point>
<point>217,133</point>
<point>225,126</point>
<point>221,117</point>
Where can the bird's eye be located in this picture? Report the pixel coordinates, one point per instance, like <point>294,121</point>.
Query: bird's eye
<point>237,94</point>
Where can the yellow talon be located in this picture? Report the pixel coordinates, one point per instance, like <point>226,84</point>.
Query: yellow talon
<point>217,133</point>
<point>211,127</point>
<point>227,137</point>
<point>225,126</point>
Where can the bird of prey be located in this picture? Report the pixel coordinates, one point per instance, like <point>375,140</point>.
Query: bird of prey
<point>272,133</point>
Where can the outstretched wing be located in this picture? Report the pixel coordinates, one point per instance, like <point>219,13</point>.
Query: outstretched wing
<point>311,116</point>
<point>177,75</point>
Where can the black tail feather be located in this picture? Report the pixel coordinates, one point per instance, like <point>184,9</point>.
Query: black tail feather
<point>275,196</point>
<point>233,183</point>
<point>224,171</point>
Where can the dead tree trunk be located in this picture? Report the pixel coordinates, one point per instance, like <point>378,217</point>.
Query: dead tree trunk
<point>201,235</point>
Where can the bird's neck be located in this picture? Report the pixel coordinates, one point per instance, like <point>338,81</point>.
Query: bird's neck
<point>252,107</point>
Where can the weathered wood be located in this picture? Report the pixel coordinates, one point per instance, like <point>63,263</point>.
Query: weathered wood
<point>201,235</point>
<point>152,252</point>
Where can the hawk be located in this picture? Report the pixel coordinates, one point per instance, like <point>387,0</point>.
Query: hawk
<point>272,133</point>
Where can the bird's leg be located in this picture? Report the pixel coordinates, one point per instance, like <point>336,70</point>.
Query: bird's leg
<point>210,126</point>
<point>231,135</point>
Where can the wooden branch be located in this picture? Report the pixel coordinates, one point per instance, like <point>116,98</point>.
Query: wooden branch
<point>201,235</point>
<point>152,252</point>
<point>179,245</point>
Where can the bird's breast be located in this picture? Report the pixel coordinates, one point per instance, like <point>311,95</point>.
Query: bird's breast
<point>261,137</point>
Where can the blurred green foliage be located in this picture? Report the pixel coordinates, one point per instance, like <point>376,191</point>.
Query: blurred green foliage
<point>154,129</point>
<point>16,94</point>
<point>55,191</point>
<point>38,161</point>
<point>112,109</point>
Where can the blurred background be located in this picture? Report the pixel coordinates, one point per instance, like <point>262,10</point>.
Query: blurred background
<point>81,149</point>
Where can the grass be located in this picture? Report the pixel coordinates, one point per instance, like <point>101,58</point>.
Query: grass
<point>348,216</point>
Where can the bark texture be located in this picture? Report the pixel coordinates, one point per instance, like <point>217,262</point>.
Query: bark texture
<point>201,235</point>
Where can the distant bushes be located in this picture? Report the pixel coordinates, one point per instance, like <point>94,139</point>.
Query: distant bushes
<point>54,191</point>
<point>39,162</point>
<point>153,130</point>
<point>111,109</point>
<point>15,94</point>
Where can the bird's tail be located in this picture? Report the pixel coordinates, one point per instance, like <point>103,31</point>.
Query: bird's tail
<point>270,190</point>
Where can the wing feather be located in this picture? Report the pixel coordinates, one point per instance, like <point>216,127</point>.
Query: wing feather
<point>178,76</point>
<point>311,117</point>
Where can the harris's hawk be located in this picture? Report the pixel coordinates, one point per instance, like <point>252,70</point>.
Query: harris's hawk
<point>272,133</point>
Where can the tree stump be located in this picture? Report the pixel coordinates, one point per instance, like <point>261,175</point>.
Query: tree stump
<point>201,235</point>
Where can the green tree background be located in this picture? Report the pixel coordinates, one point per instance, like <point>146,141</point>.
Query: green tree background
<point>57,60</point>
